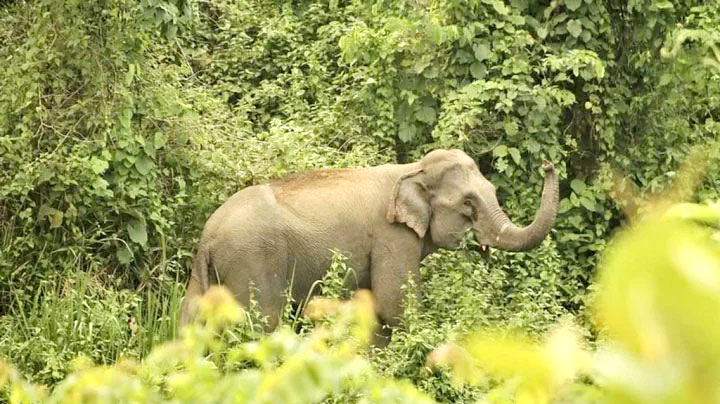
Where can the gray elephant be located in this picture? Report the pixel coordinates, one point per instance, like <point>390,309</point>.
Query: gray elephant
<point>384,219</point>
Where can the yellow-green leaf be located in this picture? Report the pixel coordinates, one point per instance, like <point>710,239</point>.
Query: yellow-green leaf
<point>137,232</point>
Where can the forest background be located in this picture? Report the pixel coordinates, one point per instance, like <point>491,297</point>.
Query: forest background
<point>124,124</point>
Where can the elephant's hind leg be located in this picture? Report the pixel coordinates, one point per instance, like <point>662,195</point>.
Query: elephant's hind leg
<point>263,279</point>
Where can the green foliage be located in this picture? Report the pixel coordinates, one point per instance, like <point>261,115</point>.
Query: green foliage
<point>282,367</point>
<point>463,292</point>
<point>49,325</point>
<point>112,145</point>
<point>656,290</point>
<point>705,33</point>
<point>525,82</point>
<point>336,280</point>
<point>84,122</point>
<point>661,327</point>
<point>123,124</point>
<point>277,64</point>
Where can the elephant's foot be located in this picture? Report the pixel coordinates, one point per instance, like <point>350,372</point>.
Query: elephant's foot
<point>381,336</point>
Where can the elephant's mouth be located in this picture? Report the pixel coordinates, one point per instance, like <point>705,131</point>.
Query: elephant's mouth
<point>483,249</point>
<point>473,243</point>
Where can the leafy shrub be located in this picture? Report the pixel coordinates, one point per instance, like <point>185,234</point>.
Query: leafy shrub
<point>49,326</point>
<point>283,366</point>
<point>112,146</point>
<point>463,292</point>
<point>124,124</point>
<point>655,293</point>
<point>84,122</point>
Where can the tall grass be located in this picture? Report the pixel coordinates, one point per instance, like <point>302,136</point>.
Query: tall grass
<point>76,313</point>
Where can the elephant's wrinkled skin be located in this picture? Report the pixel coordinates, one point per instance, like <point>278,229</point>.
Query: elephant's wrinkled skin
<point>385,219</point>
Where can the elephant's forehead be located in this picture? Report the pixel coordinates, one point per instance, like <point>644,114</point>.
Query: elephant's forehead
<point>464,159</point>
<point>450,155</point>
<point>462,176</point>
<point>467,163</point>
<point>466,169</point>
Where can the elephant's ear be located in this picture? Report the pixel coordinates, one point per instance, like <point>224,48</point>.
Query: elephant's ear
<point>410,203</point>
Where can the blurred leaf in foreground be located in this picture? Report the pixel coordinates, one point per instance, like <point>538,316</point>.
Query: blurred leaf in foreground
<point>659,295</point>
<point>538,370</point>
<point>203,367</point>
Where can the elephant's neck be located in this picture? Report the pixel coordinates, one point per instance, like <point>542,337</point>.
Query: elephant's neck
<point>428,247</point>
<point>398,170</point>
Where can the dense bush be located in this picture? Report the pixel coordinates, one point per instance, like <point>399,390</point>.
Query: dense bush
<point>113,147</point>
<point>655,292</point>
<point>49,326</point>
<point>123,124</point>
<point>279,368</point>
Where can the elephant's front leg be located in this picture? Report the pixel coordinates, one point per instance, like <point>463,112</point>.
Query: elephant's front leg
<point>394,259</point>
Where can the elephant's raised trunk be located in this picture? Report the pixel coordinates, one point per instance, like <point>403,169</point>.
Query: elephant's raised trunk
<point>503,234</point>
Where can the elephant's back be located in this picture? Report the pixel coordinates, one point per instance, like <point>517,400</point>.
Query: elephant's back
<point>245,212</point>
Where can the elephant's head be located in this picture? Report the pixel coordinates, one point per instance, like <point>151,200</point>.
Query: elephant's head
<point>447,195</point>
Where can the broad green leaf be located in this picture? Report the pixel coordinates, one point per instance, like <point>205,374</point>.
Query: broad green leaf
<point>542,32</point>
<point>45,174</point>
<point>421,64</point>
<point>511,128</point>
<point>130,74</point>
<point>124,255</point>
<point>573,5</point>
<point>144,165</point>
<point>137,232</point>
<point>56,219</point>
<point>499,6</point>
<point>500,151</point>
<point>515,154</point>
<point>431,72</point>
<point>664,5</point>
<point>517,19</point>
<point>159,140</point>
<point>574,27</point>
<point>98,166</point>
<point>46,210</point>
<point>149,147</point>
<point>574,200</point>
<point>478,70</point>
<point>587,203</point>
<point>171,32</point>
<point>578,186</point>
<point>71,211</point>
<point>426,114</point>
<point>406,132</point>
<point>665,79</point>
<point>531,145</point>
<point>124,118</point>
<point>482,52</point>
<point>564,206</point>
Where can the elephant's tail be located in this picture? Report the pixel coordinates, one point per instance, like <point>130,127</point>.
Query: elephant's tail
<point>197,286</point>
<point>200,269</point>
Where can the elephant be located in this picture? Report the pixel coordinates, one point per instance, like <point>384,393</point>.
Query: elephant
<point>384,219</point>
